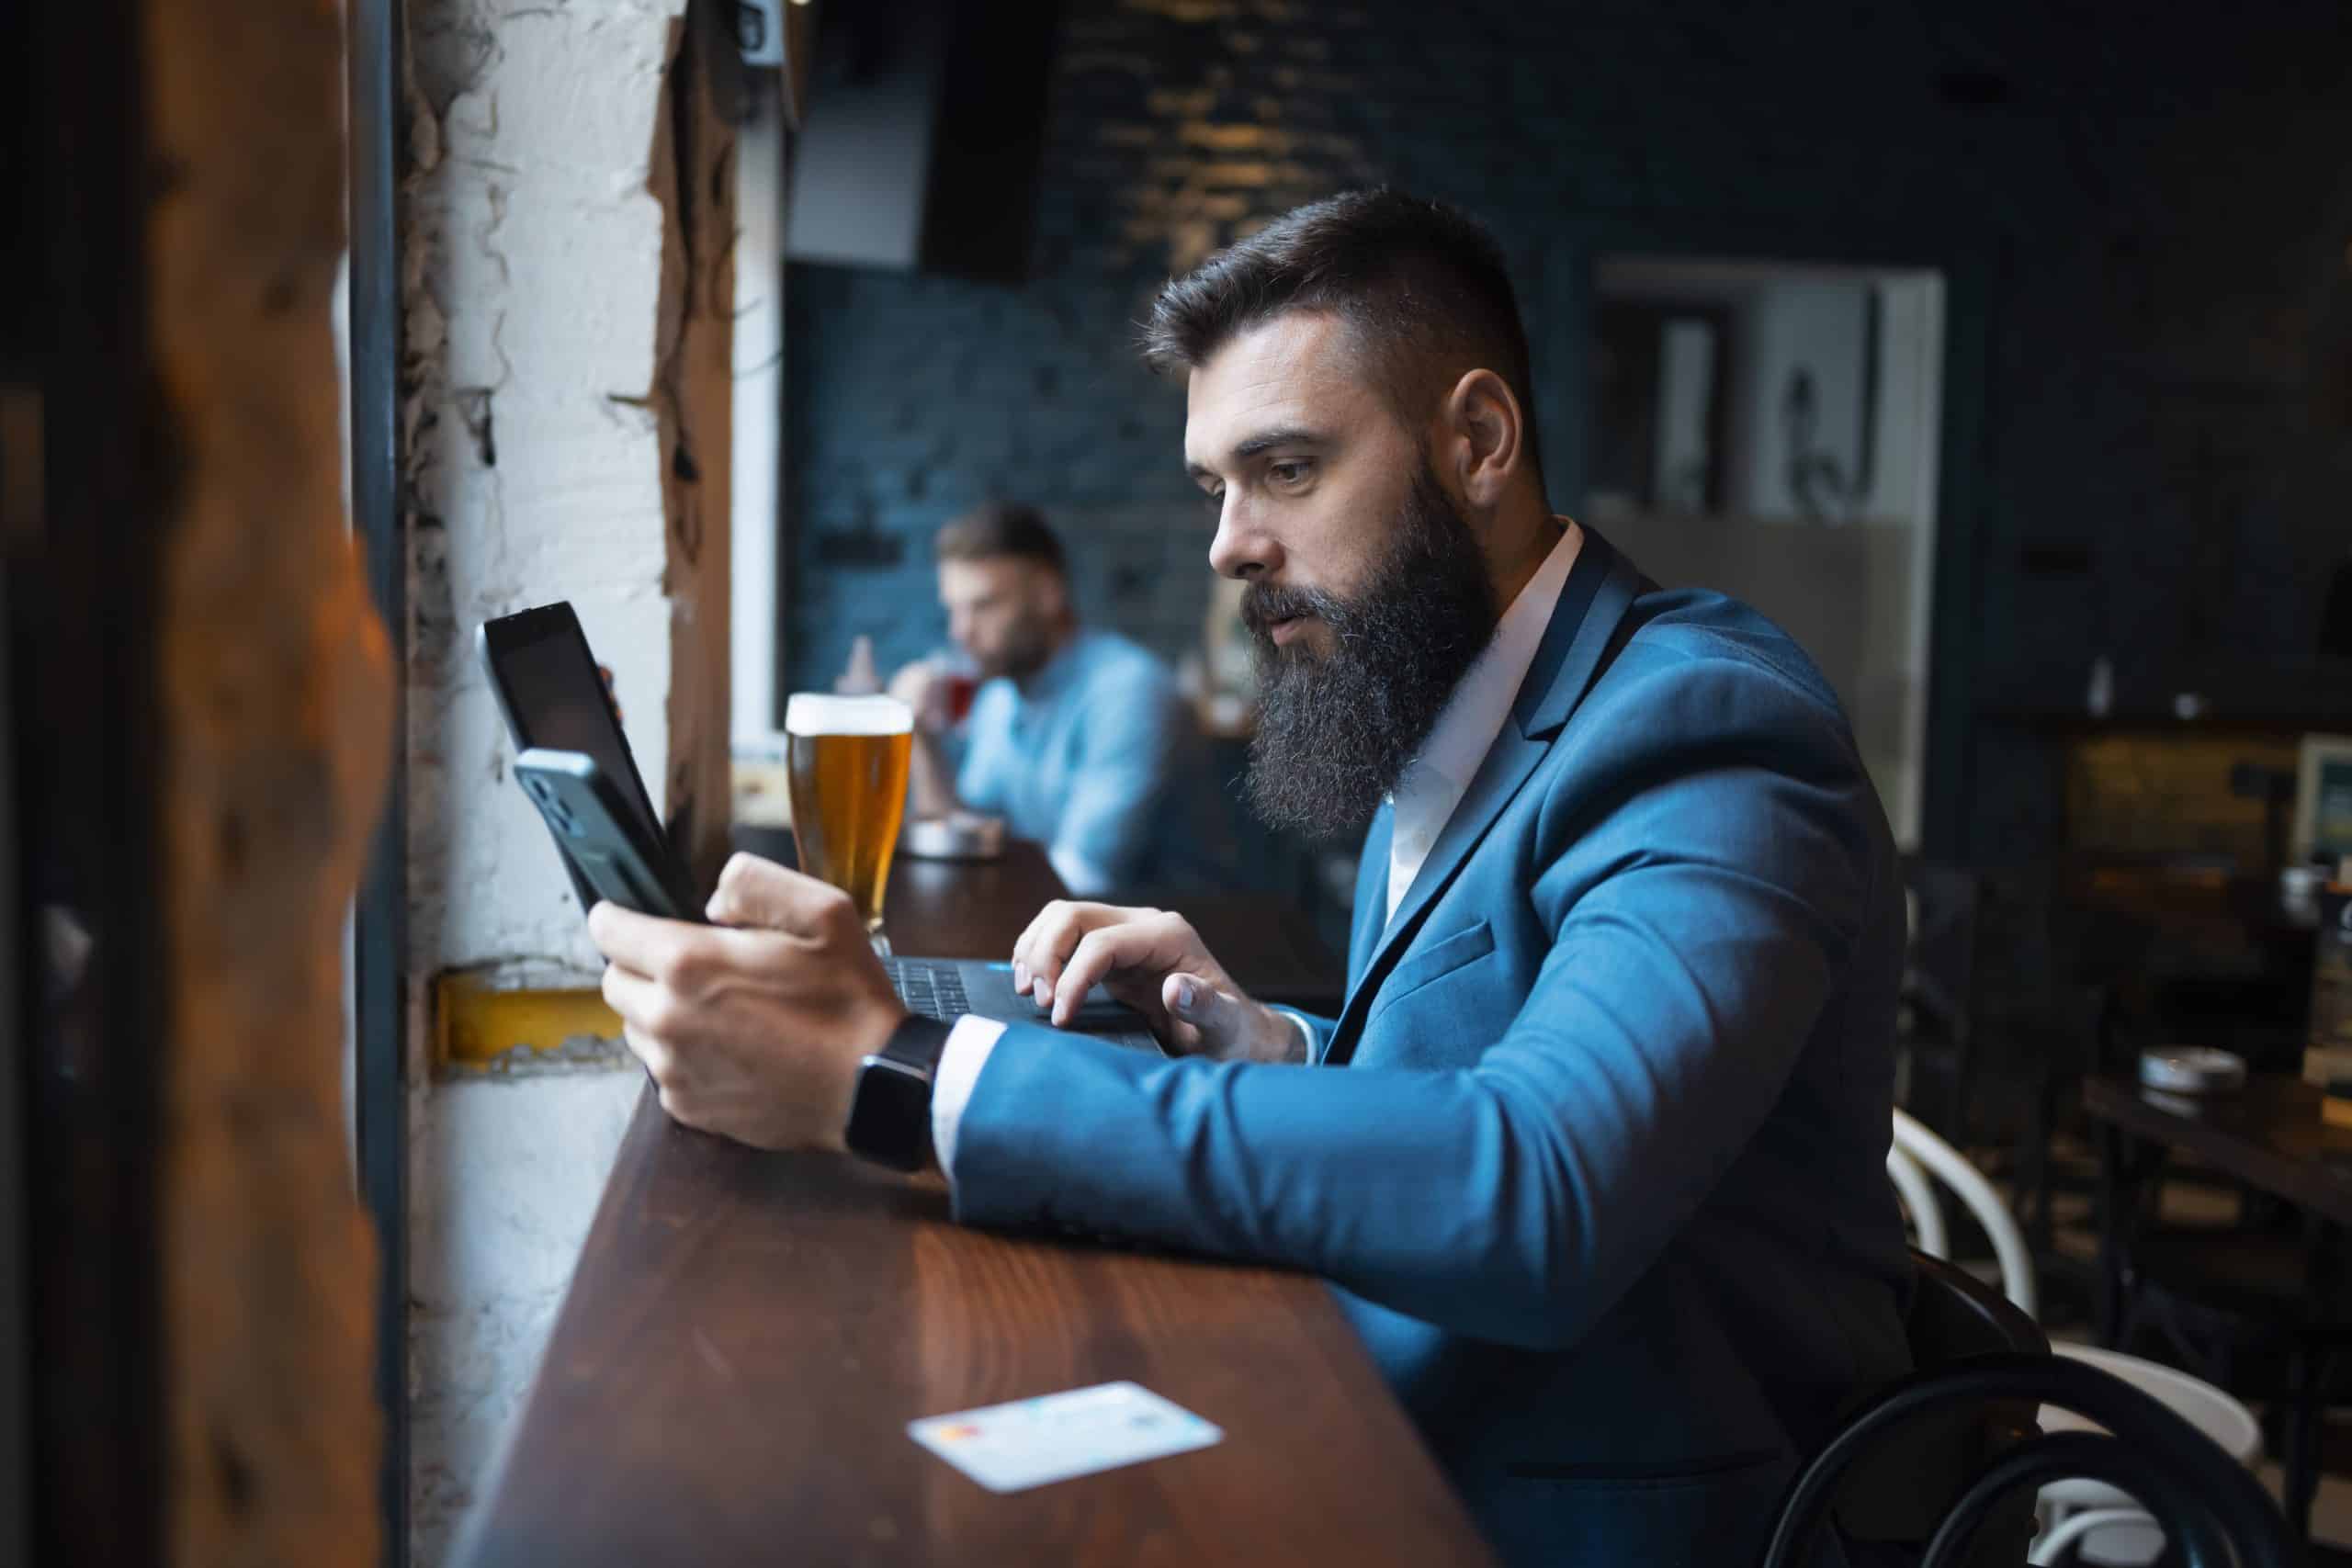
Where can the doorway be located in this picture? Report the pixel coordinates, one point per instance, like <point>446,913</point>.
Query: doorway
<point>1771,430</point>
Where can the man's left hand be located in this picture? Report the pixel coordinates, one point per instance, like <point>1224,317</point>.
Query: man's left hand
<point>752,1027</point>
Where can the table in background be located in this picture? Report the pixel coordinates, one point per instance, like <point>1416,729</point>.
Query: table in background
<point>747,1336</point>
<point>2267,1134</point>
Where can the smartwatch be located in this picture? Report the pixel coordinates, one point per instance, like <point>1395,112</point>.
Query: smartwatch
<point>890,1115</point>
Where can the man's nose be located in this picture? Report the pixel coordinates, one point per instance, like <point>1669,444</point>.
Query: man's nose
<point>1241,550</point>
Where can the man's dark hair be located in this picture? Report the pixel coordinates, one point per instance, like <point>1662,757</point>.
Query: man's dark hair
<point>1002,529</point>
<point>1423,288</point>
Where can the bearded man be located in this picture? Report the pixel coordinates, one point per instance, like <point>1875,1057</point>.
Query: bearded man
<point>1593,1154</point>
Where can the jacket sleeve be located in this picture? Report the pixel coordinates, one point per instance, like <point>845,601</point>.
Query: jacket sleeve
<point>1703,915</point>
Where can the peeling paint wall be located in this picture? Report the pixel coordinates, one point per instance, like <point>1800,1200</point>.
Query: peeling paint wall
<point>566,230</point>
<point>532,290</point>
<point>508,1177</point>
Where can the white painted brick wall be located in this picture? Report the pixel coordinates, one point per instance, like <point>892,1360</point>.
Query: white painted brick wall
<point>533,279</point>
<point>534,267</point>
<point>505,1178</point>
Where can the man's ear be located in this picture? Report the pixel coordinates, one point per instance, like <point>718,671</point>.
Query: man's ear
<point>1049,591</point>
<point>1487,434</point>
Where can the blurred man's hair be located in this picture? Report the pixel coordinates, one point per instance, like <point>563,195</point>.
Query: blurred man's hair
<point>1002,530</point>
<point>1421,287</point>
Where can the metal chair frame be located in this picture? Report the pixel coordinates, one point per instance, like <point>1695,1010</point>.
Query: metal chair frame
<point>2212,1511</point>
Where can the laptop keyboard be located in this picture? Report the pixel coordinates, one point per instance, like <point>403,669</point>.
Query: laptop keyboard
<point>933,989</point>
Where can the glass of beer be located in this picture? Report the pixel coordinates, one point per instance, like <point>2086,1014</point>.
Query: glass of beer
<point>846,769</point>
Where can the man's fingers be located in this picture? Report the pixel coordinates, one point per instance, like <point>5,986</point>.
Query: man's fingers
<point>639,1003</point>
<point>689,962</point>
<point>1052,937</point>
<point>643,942</point>
<point>644,1004</point>
<point>1097,954</point>
<point>661,1062</point>
<point>1185,997</point>
<point>760,893</point>
<point>1048,934</point>
<point>1181,1033</point>
<point>1191,999</point>
<point>1029,935</point>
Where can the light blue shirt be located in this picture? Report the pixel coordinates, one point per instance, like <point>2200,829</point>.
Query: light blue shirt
<point>1081,757</point>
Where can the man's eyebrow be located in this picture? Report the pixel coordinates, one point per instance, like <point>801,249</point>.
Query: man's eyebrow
<point>1265,441</point>
<point>1285,435</point>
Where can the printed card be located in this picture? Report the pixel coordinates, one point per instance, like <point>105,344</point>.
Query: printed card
<point>1011,1448</point>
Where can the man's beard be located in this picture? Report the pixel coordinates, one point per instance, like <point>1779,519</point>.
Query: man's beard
<point>1335,731</point>
<point>1028,648</point>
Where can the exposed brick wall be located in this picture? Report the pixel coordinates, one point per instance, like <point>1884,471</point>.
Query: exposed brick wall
<point>568,223</point>
<point>2159,196</point>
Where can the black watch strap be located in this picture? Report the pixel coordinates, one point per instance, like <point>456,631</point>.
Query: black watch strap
<point>890,1113</point>
<point>919,1042</point>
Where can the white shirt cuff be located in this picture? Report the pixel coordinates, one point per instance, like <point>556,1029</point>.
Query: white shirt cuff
<point>1305,1031</point>
<point>960,1061</point>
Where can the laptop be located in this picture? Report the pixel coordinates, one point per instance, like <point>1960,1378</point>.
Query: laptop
<point>552,695</point>
<point>950,987</point>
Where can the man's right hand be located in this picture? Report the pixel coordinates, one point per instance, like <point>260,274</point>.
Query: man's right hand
<point>1155,963</point>
<point>920,687</point>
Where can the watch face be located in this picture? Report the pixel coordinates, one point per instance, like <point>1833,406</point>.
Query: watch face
<point>889,1120</point>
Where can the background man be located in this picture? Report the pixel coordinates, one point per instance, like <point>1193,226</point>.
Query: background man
<point>1077,737</point>
<point>1594,1155</point>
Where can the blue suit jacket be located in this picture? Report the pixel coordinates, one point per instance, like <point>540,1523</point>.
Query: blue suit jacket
<point>1602,1182</point>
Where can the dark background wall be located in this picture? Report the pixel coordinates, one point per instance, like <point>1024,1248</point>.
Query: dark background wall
<point>2146,210</point>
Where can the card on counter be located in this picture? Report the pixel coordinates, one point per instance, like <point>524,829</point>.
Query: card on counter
<point>1029,1442</point>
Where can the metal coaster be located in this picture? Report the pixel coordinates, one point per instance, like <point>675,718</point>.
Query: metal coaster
<point>2192,1069</point>
<point>953,838</point>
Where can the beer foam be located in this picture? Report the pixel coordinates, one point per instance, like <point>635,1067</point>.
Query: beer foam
<point>820,713</point>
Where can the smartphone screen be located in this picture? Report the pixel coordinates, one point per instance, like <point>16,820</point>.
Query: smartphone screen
<point>556,699</point>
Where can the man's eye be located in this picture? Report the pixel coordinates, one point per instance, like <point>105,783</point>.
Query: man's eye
<point>1290,472</point>
<point>1213,498</point>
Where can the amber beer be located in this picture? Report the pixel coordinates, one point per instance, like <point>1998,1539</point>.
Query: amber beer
<point>846,760</point>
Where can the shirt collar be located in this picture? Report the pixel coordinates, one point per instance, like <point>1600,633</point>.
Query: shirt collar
<point>1436,779</point>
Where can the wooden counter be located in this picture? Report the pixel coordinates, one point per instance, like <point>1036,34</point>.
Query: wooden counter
<point>747,1336</point>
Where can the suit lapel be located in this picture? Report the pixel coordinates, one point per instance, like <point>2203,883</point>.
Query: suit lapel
<point>1372,893</point>
<point>1601,586</point>
<point>1372,900</point>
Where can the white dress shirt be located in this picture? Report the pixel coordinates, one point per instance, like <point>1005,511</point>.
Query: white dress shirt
<point>1432,786</point>
<point>1433,782</point>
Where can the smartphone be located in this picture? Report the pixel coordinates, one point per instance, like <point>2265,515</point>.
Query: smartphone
<point>552,694</point>
<point>600,837</point>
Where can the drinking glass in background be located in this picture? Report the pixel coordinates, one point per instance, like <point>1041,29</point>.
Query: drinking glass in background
<point>940,688</point>
<point>959,682</point>
<point>950,681</point>
<point>846,769</point>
